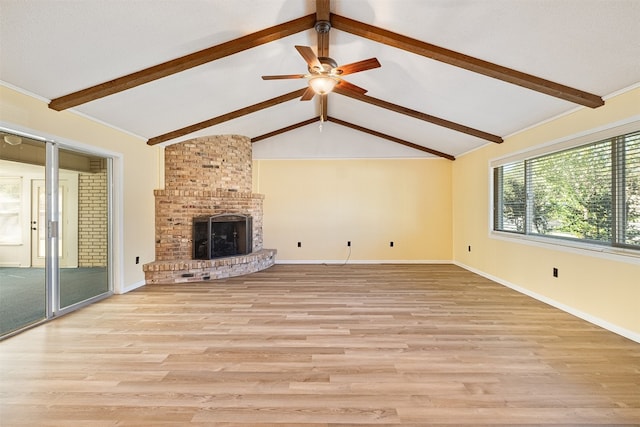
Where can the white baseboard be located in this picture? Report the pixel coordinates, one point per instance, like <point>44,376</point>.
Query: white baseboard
<point>634,336</point>
<point>133,286</point>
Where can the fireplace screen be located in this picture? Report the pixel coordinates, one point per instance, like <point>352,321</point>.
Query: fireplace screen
<point>221,236</point>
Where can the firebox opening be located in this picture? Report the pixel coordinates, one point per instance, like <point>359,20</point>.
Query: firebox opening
<point>222,235</point>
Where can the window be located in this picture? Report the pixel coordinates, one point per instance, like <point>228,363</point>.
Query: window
<point>10,208</point>
<point>589,193</point>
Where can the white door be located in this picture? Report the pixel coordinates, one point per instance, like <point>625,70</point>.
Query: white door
<point>67,222</point>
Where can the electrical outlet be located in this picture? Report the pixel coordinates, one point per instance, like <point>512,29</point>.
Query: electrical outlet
<point>349,243</point>
<point>391,244</point>
<point>555,272</point>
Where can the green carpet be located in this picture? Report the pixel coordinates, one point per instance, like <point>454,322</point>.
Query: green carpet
<point>22,292</point>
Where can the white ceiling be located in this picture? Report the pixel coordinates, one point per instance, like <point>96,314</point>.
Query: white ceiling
<point>55,47</point>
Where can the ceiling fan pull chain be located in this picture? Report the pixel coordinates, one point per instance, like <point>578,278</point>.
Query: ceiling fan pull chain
<point>321,114</point>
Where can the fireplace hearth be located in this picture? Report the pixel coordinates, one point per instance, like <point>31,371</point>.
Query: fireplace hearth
<point>222,235</point>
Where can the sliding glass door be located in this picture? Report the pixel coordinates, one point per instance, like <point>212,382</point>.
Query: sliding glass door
<point>54,230</point>
<point>84,249</point>
<point>22,283</point>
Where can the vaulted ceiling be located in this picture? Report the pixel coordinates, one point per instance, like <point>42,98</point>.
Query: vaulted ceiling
<point>455,75</point>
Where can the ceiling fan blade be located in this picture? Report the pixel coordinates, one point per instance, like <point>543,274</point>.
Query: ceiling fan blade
<point>312,60</point>
<point>284,76</point>
<point>343,84</point>
<point>307,95</point>
<point>356,67</point>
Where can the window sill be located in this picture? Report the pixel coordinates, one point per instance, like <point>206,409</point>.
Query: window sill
<point>631,256</point>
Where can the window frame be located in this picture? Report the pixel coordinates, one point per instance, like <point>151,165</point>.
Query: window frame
<point>607,249</point>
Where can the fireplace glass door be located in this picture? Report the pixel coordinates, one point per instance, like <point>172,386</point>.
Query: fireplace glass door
<point>222,236</point>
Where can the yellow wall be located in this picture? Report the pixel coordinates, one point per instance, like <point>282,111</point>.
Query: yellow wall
<point>138,174</point>
<point>603,289</point>
<point>325,203</point>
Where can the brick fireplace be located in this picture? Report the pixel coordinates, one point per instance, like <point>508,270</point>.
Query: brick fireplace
<point>206,176</point>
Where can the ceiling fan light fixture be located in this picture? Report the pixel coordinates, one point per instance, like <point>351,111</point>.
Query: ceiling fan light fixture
<point>12,140</point>
<point>322,84</point>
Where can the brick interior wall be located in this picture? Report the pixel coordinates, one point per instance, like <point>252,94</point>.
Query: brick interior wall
<point>204,176</point>
<point>92,216</point>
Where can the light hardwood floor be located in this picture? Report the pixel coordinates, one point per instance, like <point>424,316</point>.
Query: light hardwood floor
<point>321,346</point>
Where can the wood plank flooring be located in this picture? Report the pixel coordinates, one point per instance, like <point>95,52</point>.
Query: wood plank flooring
<point>321,346</point>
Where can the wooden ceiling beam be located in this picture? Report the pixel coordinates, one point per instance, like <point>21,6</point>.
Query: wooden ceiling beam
<point>226,117</point>
<point>183,63</point>
<point>324,106</point>
<point>466,62</point>
<point>422,116</point>
<point>323,13</point>
<point>390,138</point>
<point>284,129</point>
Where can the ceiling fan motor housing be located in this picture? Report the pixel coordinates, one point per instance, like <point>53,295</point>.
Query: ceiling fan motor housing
<point>327,63</point>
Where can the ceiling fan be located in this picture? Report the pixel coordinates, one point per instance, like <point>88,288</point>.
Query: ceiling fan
<point>325,74</point>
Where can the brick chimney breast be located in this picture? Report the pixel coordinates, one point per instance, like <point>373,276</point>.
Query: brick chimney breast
<point>210,162</point>
<point>204,176</point>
